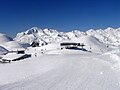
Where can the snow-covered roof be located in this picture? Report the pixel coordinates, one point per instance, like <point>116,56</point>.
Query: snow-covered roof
<point>16,49</point>
<point>12,56</point>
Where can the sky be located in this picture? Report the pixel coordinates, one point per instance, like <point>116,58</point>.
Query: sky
<point>63,15</point>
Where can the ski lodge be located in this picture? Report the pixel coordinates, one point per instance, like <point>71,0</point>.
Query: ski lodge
<point>15,55</point>
<point>69,45</point>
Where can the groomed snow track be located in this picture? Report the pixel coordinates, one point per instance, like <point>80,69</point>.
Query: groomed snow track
<point>81,72</point>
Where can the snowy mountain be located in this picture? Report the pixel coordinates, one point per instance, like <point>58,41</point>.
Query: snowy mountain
<point>105,37</point>
<point>108,36</point>
<point>45,35</point>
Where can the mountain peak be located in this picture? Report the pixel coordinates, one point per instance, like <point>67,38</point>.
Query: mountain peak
<point>32,30</point>
<point>109,28</point>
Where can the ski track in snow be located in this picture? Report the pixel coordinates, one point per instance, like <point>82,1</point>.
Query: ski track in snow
<point>81,72</point>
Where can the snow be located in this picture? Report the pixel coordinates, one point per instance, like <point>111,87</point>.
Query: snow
<point>5,38</point>
<point>60,72</point>
<point>23,69</point>
<point>9,44</point>
<point>115,56</point>
<point>109,36</point>
<point>3,50</point>
<point>53,68</point>
<point>91,44</point>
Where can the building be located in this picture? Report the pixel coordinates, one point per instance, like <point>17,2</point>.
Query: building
<point>70,45</point>
<point>14,57</point>
<point>35,44</point>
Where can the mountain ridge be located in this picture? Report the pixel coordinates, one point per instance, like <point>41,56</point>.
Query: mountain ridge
<point>107,36</point>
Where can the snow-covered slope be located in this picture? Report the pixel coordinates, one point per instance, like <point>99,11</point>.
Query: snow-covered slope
<point>5,38</point>
<point>8,43</point>
<point>12,44</point>
<point>108,36</point>
<point>115,56</point>
<point>91,43</point>
<point>3,50</point>
<point>79,71</point>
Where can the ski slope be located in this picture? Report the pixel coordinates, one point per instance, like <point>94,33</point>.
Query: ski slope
<point>53,68</point>
<point>76,71</point>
